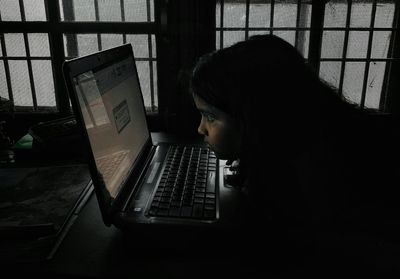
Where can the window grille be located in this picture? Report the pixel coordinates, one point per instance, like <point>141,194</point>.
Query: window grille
<point>350,43</point>
<point>38,35</point>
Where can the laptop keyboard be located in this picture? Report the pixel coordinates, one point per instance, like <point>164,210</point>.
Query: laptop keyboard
<point>187,186</point>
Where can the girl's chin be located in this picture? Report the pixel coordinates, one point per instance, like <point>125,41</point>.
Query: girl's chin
<point>220,155</point>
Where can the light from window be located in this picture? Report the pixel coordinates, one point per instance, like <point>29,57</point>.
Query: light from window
<point>355,38</point>
<point>26,63</point>
<point>107,10</point>
<point>144,50</point>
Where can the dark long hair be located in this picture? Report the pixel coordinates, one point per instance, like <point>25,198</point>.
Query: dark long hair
<point>267,86</point>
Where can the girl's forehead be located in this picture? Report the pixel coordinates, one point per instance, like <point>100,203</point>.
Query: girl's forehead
<point>200,103</point>
<point>203,105</point>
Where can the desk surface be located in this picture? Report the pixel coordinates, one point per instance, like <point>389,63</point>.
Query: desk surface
<point>90,249</point>
<point>93,250</point>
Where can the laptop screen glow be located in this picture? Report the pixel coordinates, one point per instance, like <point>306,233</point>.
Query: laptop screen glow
<point>112,106</point>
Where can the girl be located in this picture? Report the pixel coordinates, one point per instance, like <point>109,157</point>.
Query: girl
<point>315,166</point>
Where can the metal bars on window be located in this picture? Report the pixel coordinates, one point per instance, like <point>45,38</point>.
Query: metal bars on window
<point>18,54</point>
<point>62,25</point>
<point>150,49</point>
<point>22,8</point>
<point>363,73</point>
<point>101,38</point>
<point>345,41</point>
<point>250,22</point>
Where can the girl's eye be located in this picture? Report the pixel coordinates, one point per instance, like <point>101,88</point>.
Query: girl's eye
<point>210,118</point>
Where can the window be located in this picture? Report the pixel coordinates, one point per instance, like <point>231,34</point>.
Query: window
<point>350,43</point>
<point>39,35</point>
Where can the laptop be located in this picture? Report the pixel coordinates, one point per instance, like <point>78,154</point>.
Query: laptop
<point>138,182</point>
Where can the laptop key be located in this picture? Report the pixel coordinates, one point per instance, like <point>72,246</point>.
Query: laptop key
<point>209,214</point>
<point>210,195</point>
<point>209,207</point>
<point>152,211</point>
<point>162,212</point>
<point>199,200</point>
<point>210,201</point>
<point>174,211</point>
<point>163,205</point>
<point>197,210</point>
<point>186,211</point>
<point>175,203</point>
<point>211,182</point>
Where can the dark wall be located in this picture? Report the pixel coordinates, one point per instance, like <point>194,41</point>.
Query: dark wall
<point>189,33</point>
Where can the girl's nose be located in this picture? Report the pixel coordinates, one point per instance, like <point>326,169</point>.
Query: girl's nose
<point>202,129</point>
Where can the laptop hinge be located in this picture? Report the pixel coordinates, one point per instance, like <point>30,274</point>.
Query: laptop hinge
<point>138,182</point>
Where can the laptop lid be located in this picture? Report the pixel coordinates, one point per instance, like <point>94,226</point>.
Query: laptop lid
<point>108,103</point>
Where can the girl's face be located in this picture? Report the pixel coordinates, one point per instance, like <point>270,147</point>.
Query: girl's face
<point>221,132</point>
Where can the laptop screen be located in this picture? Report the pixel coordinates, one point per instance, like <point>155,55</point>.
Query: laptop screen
<point>112,107</point>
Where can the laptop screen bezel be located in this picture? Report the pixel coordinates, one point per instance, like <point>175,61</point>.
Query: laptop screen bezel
<point>71,69</point>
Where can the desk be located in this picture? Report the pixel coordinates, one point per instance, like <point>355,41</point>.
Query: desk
<point>90,249</point>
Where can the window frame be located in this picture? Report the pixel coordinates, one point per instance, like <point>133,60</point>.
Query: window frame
<point>388,99</point>
<point>56,28</point>
<point>184,30</point>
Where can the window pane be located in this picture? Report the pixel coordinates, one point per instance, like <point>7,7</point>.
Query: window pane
<point>335,14</point>
<point>153,44</point>
<point>289,36</point>
<point>152,9</point>
<point>380,44</point>
<point>70,42</point>
<point>136,11</point>
<point>144,76</point>
<point>384,15</point>
<point>77,10</point>
<point>303,42</point>
<point>361,13</point>
<point>110,40</point>
<point>87,43</point>
<point>231,37</point>
<point>155,78</point>
<point>257,32</point>
<point>15,44</point>
<point>218,40</point>
<point>234,14</point>
<point>260,15</point>
<point>109,10</point>
<point>305,14</point>
<point>332,44</point>
<point>218,15</point>
<point>353,81</point>
<point>21,87</point>
<point>9,10</point>
<point>358,44</point>
<point>44,86</point>
<point>3,81</point>
<point>285,14</point>
<point>375,83</point>
<point>34,10</point>
<point>39,44</point>
<point>140,45</point>
<point>330,72</point>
